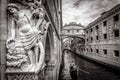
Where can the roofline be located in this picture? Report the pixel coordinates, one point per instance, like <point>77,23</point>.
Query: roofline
<point>107,14</point>
<point>70,24</point>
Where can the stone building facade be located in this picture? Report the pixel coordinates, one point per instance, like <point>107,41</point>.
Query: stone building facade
<point>102,38</point>
<point>50,40</point>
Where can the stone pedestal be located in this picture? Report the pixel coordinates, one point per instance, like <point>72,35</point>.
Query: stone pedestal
<point>25,75</point>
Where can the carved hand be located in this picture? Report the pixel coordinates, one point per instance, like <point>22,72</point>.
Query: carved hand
<point>10,40</point>
<point>47,25</point>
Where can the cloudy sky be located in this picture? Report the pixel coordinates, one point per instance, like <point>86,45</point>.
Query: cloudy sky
<point>85,11</point>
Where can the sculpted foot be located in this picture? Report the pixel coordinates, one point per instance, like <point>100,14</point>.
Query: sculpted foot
<point>28,69</point>
<point>39,67</point>
<point>33,68</point>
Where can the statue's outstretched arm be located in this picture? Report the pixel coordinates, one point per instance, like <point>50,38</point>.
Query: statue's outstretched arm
<point>42,51</point>
<point>41,57</point>
<point>13,29</point>
<point>39,23</point>
<point>28,19</point>
<point>12,37</point>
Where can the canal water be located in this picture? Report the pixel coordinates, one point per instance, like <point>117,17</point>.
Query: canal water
<point>86,69</point>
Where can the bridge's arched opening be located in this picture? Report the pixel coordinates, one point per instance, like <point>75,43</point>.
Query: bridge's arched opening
<point>73,43</point>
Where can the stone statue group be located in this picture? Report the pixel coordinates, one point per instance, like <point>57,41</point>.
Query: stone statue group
<point>24,45</point>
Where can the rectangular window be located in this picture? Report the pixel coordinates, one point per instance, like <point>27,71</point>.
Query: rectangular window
<point>68,30</point>
<point>87,49</point>
<point>116,33</point>
<point>97,37</point>
<point>116,18</point>
<point>91,29</point>
<point>105,36</point>
<point>105,23</point>
<point>77,30</point>
<point>81,49</point>
<point>97,51</point>
<point>105,51</point>
<point>87,39</point>
<point>116,53</point>
<point>91,50</point>
<point>97,27</point>
<point>87,32</point>
<point>91,39</point>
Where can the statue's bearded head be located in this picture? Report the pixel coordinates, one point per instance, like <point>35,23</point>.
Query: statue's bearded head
<point>13,8</point>
<point>38,13</point>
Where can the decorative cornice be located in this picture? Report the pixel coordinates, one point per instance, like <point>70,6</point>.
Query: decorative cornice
<point>73,24</point>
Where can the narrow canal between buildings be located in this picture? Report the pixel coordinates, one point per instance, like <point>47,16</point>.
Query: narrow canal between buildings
<point>87,70</point>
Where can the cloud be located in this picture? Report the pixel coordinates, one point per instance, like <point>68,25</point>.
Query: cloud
<point>85,11</point>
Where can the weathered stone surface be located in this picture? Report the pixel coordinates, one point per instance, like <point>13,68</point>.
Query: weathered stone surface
<point>26,76</point>
<point>3,52</point>
<point>2,72</point>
